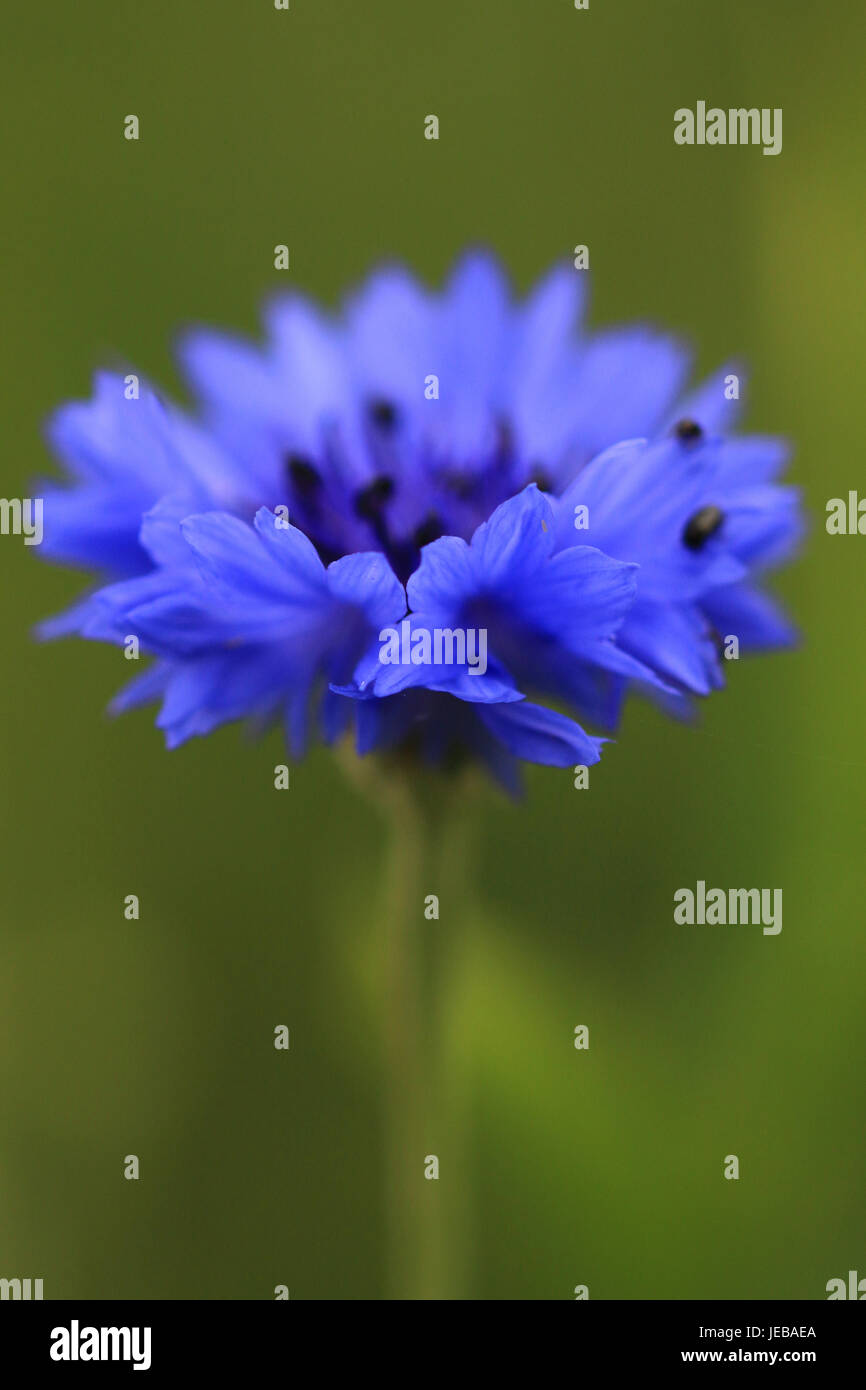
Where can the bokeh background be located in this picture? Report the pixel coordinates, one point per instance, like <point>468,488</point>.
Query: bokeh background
<point>155,1038</point>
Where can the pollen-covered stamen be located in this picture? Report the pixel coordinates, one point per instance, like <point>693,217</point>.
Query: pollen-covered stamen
<point>700,527</point>
<point>383,413</point>
<point>688,431</point>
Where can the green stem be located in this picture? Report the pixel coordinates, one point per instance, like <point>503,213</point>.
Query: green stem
<point>419,965</point>
<point>407,1101</point>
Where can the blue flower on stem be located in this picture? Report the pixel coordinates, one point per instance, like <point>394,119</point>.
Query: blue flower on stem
<point>457,462</point>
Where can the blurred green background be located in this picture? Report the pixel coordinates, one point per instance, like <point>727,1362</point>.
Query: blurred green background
<point>155,1038</point>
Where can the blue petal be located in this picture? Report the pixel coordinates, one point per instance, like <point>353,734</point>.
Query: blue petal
<point>541,735</point>
<point>516,540</point>
<point>445,578</point>
<point>759,622</point>
<point>395,339</point>
<point>367,580</point>
<point>675,641</point>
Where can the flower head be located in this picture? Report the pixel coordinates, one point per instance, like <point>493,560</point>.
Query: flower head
<point>455,466</point>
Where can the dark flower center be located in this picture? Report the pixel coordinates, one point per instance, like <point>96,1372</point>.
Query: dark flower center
<point>454,499</point>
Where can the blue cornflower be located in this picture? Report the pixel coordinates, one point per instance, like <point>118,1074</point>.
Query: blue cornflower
<point>447,463</point>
